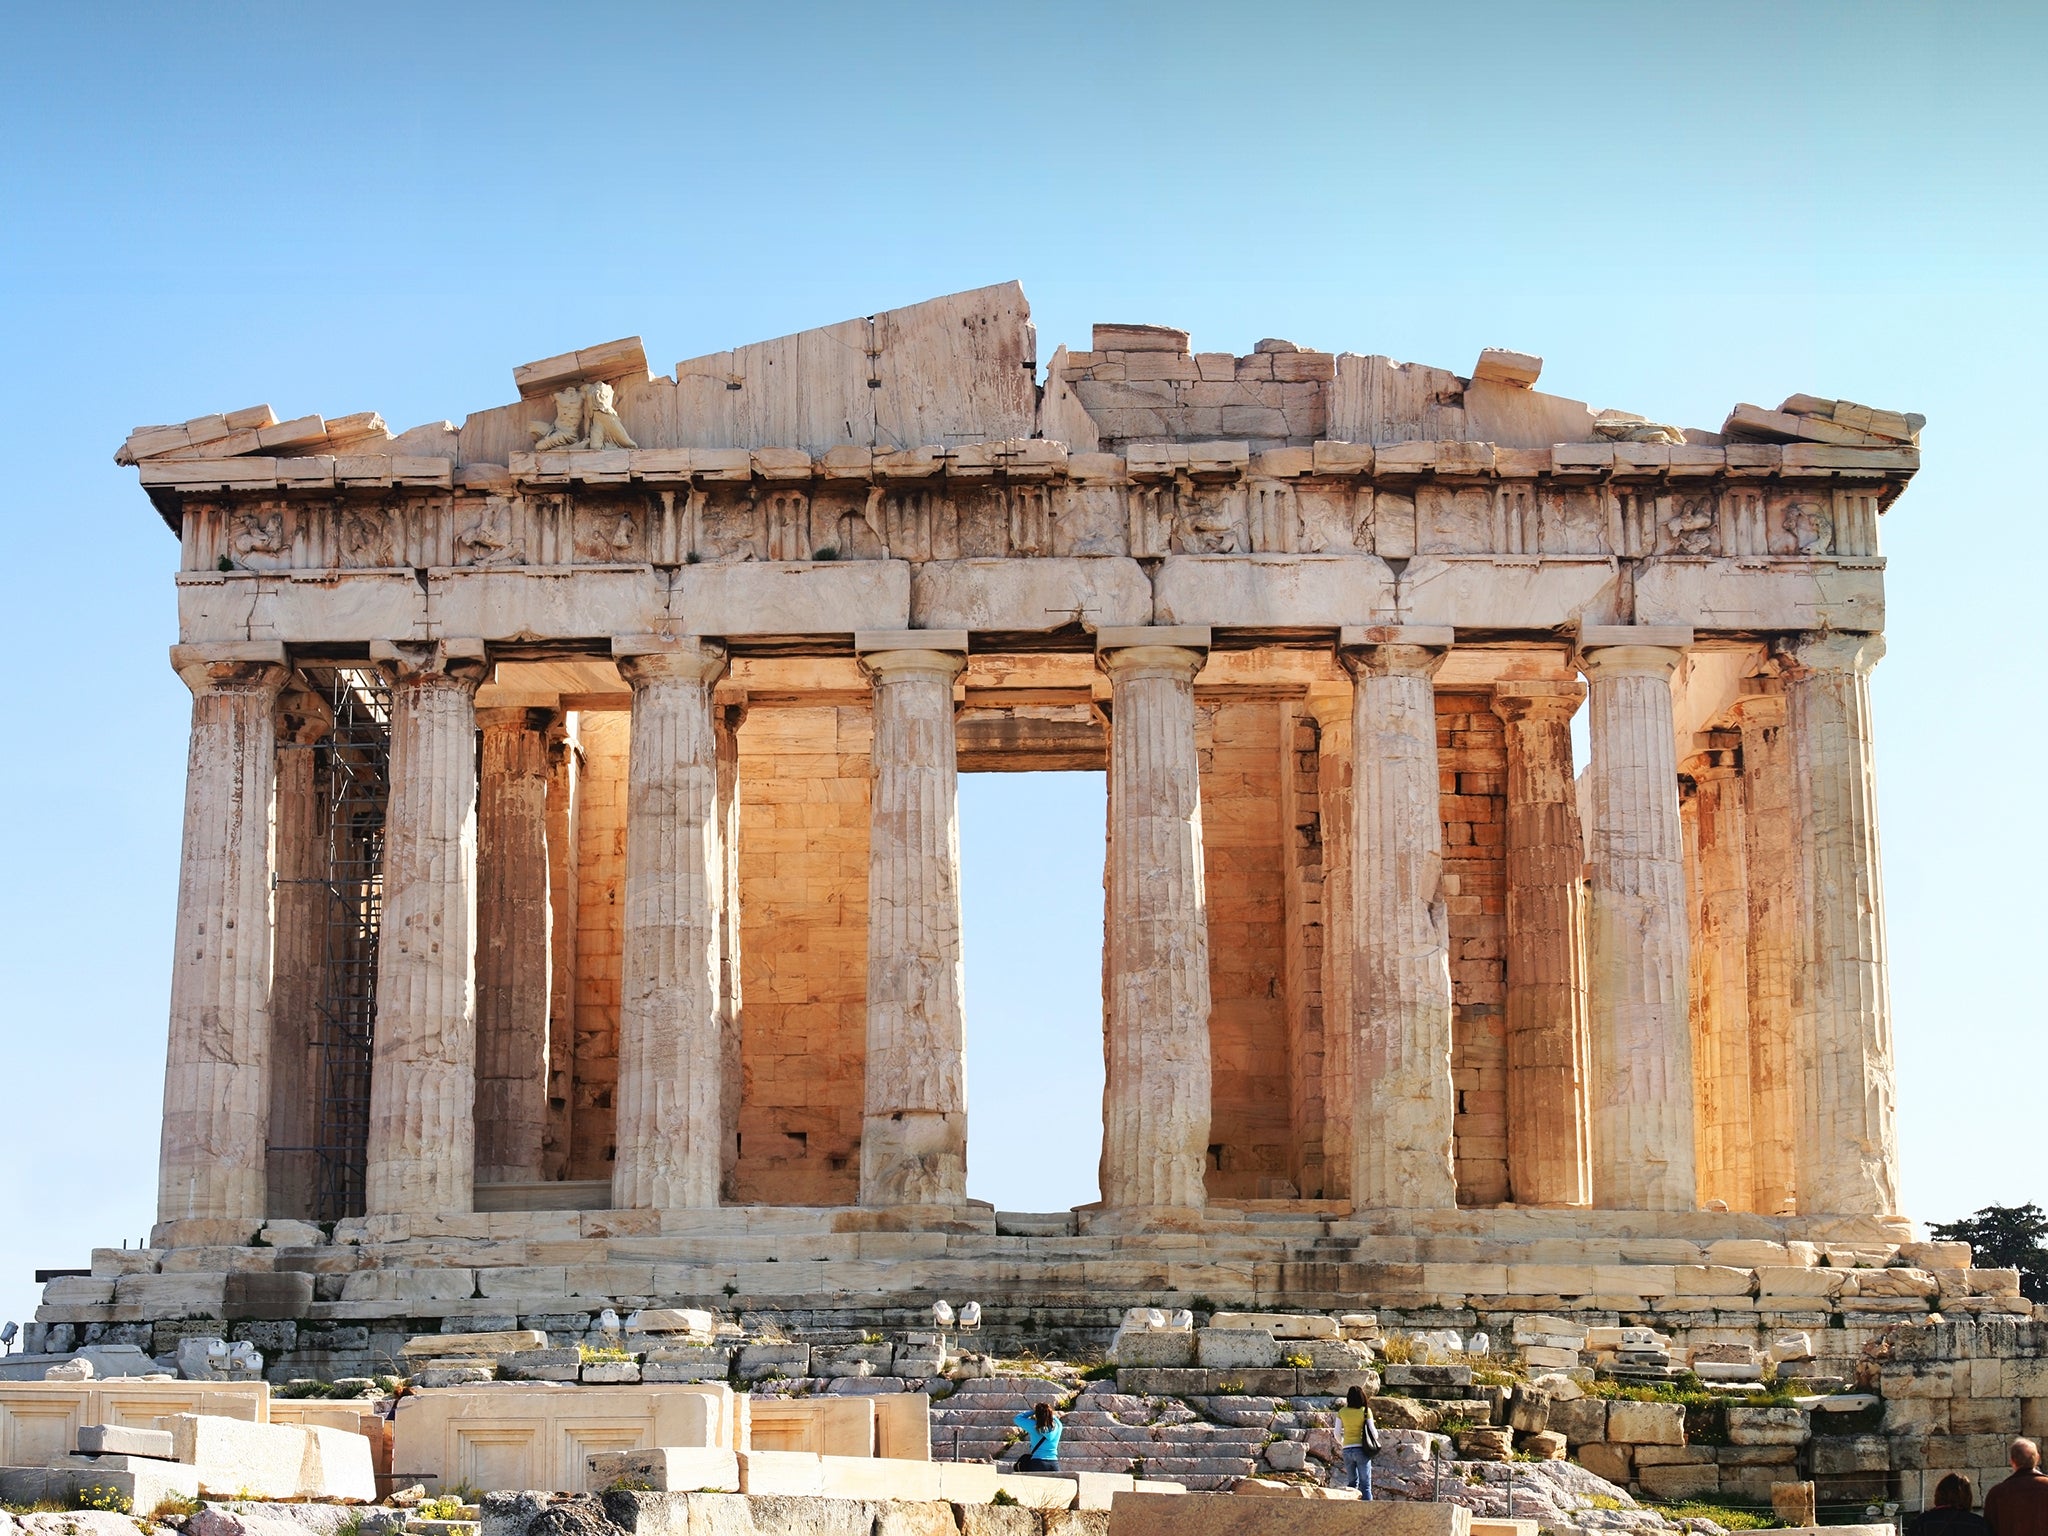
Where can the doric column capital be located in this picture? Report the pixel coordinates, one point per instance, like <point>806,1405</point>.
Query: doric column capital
<point>303,716</point>
<point>452,663</point>
<point>1394,650</point>
<point>517,717</point>
<point>1537,701</point>
<point>1754,710</point>
<point>645,659</point>
<point>1641,650</point>
<point>1173,651</point>
<point>238,666</point>
<point>1830,652</point>
<point>887,655</point>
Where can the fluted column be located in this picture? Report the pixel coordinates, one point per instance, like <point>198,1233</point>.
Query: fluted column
<point>422,1144</point>
<point>731,1016</point>
<point>565,757</point>
<point>1777,949</point>
<point>1848,1132</point>
<point>671,1065</point>
<point>913,1148</point>
<point>1403,1105</point>
<point>1723,1134</point>
<point>1333,790</point>
<point>512,945</point>
<point>1640,1094</point>
<point>1155,1121</point>
<point>297,956</point>
<point>217,1074</point>
<point>1546,995</point>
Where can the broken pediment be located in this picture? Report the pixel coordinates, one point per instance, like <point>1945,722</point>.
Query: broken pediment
<point>944,375</point>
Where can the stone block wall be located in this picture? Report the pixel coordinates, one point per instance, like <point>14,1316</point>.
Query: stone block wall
<point>1251,1134</point>
<point>600,914</point>
<point>803,951</point>
<point>1137,385</point>
<point>1472,768</point>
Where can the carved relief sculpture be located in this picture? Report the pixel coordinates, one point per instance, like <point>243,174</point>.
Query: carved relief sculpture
<point>489,541</point>
<point>1812,528</point>
<point>1691,528</point>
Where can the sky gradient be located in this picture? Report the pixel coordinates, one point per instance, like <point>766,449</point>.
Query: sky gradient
<point>388,207</point>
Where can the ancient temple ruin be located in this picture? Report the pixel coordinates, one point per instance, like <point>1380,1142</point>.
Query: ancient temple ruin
<point>570,897</point>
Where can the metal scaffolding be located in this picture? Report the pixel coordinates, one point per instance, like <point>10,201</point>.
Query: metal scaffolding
<point>355,761</point>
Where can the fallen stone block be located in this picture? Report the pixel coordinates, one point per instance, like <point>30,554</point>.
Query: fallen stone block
<point>143,1483</point>
<point>672,1469</point>
<point>473,1345</point>
<point>1236,1348</point>
<point>123,1440</point>
<point>543,1365</point>
<point>1041,1490</point>
<point>672,1320</point>
<point>1161,1347</point>
<point>1282,1325</point>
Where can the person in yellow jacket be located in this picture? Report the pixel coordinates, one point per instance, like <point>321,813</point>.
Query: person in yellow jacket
<point>1361,1440</point>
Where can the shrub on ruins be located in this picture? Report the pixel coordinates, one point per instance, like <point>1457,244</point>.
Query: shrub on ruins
<point>2006,1237</point>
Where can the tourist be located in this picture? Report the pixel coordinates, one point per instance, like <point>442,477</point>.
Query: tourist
<point>1361,1438</point>
<point>1042,1431</point>
<point>1953,1510</point>
<point>2019,1505</point>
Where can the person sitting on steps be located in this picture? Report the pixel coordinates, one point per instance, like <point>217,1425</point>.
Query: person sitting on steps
<point>1042,1430</point>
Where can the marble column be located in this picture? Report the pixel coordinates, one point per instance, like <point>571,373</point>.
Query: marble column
<point>1777,948</point>
<point>1723,1135</point>
<point>1640,1105</point>
<point>1546,974</point>
<point>913,1148</point>
<point>1155,1121</point>
<point>1848,1132</point>
<point>670,1052</point>
<point>731,1018</point>
<point>564,794</point>
<point>1403,1104</point>
<point>512,945</point>
<point>298,956</point>
<point>422,1144</point>
<point>217,1075</point>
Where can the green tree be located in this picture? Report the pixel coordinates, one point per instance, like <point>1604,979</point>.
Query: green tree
<point>2006,1237</point>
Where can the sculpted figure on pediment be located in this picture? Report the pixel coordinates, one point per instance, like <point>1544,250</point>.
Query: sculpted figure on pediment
<point>586,416</point>
<point>490,540</point>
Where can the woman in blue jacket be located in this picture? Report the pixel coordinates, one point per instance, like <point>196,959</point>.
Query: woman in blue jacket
<point>1042,1431</point>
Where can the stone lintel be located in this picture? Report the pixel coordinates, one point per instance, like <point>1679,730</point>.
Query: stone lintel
<point>1191,637</point>
<point>660,645</point>
<point>1355,635</point>
<point>870,640</point>
<point>228,652</point>
<point>1671,637</point>
<point>443,651</point>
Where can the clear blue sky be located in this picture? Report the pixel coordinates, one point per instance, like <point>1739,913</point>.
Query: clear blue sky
<point>377,206</point>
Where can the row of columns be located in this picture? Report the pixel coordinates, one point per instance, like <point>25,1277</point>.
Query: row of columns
<point>1601,1078</point>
